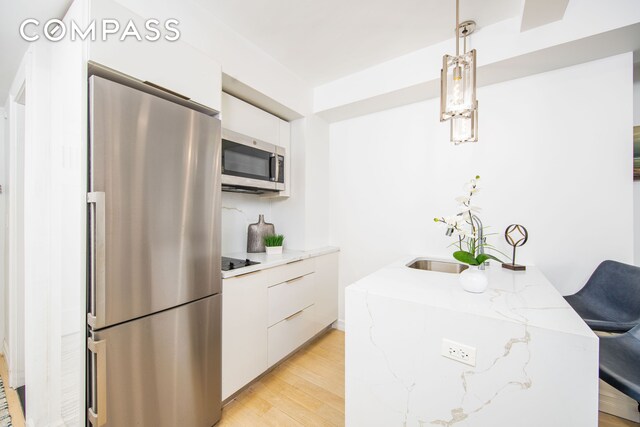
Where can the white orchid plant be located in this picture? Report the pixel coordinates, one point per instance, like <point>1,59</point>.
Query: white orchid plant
<point>464,228</point>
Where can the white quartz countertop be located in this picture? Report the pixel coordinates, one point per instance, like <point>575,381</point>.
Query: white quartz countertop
<point>512,295</point>
<point>269,261</point>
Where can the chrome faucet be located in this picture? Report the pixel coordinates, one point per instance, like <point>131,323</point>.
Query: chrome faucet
<point>480,242</point>
<point>481,239</point>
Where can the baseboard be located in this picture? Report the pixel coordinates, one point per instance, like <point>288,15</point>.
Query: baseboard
<point>616,403</point>
<point>338,324</point>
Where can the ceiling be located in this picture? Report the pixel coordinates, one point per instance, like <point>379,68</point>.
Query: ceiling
<point>12,47</point>
<point>319,40</point>
<point>322,40</point>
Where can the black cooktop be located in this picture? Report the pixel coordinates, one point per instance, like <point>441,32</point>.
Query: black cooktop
<point>234,263</point>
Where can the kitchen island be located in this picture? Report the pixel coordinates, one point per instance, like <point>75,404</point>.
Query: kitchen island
<point>536,361</point>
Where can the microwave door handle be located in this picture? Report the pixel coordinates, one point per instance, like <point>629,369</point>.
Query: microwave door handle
<point>273,167</point>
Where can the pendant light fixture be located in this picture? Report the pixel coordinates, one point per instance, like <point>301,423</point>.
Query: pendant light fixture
<point>458,101</point>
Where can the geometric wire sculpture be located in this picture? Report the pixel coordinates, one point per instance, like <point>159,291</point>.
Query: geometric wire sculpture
<point>515,235</point>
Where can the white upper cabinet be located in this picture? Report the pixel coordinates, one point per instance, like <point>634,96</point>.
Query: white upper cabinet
<point>175,66</point>
<point>244,118</point>
<point>285,141</point>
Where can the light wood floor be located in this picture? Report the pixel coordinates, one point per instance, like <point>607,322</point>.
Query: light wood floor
<point>15,410</point>
<point>308,390</point>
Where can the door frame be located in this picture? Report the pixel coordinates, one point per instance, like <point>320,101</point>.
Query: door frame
<point>14,340</point>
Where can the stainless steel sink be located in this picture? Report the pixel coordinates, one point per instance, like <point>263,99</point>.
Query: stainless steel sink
<point>441,266</point>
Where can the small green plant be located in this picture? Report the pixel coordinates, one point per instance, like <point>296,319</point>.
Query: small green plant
<point>273,240</point>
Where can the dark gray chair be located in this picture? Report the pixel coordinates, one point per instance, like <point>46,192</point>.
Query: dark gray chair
<point>610,301</point>
<point>620,362</point>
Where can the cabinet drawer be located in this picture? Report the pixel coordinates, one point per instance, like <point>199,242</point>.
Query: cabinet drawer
<point>289,334</point>
<point>293,270</point>
<point>290,297</point>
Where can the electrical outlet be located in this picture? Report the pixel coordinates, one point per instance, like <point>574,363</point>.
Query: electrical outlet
<point>460,352</point>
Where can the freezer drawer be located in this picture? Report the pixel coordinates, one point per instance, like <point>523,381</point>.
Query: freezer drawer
<point>154,204</point>
<point>162,370</point>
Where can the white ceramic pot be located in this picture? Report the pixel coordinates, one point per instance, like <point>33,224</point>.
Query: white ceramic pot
<point>274,250</point>
<point>474,280</point>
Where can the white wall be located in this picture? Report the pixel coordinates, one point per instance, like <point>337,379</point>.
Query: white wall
<point>636,184</point>
<point>238,211</point>
<point>305,215</point>
<point>553,156</point>
<point>317,186</point>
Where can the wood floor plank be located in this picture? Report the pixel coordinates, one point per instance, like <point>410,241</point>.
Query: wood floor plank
<point>608,420</point>
<point>15,409</point>
<point>277,418</point>
<point>290,407</point>
<point>326,396</point>
<point>334,384</point>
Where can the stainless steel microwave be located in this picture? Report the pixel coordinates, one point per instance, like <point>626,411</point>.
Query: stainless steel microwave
<point>250,165</point>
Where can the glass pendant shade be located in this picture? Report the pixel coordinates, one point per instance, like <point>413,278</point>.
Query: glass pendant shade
<point>458,85</point>
<point>464,128</point>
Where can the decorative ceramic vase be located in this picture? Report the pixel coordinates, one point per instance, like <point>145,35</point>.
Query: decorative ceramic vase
<point>274,250</point>
<point>474,280</point>
<point>256,233</point>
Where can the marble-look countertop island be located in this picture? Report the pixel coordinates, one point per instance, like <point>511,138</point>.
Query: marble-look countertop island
<point>536,360</point>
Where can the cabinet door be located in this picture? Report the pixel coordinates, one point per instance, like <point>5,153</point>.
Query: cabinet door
<point>239,116</point>
<point>326,288</point>
<point>173,65</point>
<point>285,141</point>
<point>244,330</point>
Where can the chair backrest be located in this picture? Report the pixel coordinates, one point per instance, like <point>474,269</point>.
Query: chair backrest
<point>617,287</point>
<point>635,332</point>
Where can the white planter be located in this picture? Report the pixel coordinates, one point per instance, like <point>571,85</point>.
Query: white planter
<point>474,280</point>
<point>274,250</point>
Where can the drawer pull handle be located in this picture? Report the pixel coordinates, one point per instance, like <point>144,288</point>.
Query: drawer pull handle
<point>293,262</point>
<point>297,279</point>
<point>246,274</point>
<point>294,315</point>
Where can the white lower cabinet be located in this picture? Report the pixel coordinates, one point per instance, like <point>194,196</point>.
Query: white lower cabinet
<point>326,289</point>
<point>290,333</point>
<point>290,297</point>
<point>269,314</point>
<point>244,335</point>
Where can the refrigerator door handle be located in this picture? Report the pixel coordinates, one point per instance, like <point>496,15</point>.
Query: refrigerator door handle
<point>97,413</point>
<point>97,277</point>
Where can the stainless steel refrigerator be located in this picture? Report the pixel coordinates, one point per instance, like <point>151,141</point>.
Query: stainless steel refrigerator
<point>154,286</point>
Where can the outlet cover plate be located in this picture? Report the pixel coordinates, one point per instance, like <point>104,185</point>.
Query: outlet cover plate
<point>459,352</point>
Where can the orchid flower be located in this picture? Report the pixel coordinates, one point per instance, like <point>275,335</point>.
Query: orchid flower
<point>464,229</point>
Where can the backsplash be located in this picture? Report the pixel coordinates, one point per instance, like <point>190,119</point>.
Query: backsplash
<point>238,211</point>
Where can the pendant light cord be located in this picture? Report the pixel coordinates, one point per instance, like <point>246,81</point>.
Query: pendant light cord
<point>457,27</point>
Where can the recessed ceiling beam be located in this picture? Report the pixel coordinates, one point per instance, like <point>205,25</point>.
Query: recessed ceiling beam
<point>540,12</point>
